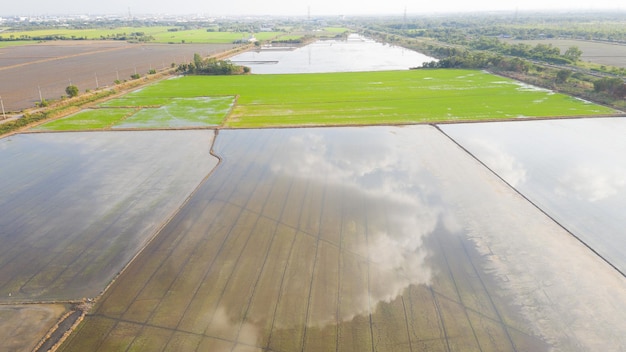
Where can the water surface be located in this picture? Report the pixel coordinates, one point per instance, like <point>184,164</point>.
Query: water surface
<point>358,239</point>
<point>357,53</point>
<point>76,207</point>
<point>575,170</point>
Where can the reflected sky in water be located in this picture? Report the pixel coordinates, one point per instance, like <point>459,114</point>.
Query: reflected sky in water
<point>401,195</point>
<point>360,239</point>
<point>574,169</point>
<point>76,207</point>
<point>333,56</point>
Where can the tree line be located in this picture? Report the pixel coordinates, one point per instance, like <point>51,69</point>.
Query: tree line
<point>211,66</point>
<point>470,43</point>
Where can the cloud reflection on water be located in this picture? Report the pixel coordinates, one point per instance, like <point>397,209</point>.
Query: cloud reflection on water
<point>404,208</point>
<point>496,158</point>
<point>574,170</point>
<point>588,183</point>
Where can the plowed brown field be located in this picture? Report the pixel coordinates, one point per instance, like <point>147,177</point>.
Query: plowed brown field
<point>51,67</point>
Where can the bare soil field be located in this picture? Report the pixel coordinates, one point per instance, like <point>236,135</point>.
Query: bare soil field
<point>52,66</point>
<point>23,326</point>
<point>596,52</point>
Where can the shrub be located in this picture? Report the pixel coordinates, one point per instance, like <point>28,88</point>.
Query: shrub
<point>71,91</point>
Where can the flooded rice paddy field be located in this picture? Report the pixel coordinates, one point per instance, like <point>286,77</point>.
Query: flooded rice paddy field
<point>358,239</point>
<point>76,207</point>
<point>153,113</point>
<point>574,170</point>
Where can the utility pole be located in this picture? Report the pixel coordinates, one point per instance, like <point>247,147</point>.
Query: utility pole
<point>40,96</point>
<point>4,115</point>
<point>404,19</point>
<point>97,85</point>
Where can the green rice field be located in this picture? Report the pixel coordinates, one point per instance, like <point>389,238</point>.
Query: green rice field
<point>88,120</point>
<point>360,98</point>
<point>13,43</point>
<point>202,36</point>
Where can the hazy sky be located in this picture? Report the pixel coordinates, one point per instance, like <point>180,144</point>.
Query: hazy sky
<point>288,7</point>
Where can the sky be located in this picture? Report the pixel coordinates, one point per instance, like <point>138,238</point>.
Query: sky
<point>290,7</point>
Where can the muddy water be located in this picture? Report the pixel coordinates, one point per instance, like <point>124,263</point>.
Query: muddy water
<point>357,239</point>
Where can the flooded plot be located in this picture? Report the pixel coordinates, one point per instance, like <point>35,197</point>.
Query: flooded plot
<point>182,112</point>
<point>357,239</point>
<point>76,207</point>
<point>23,326</point>
<point>575,170</point>
<point>137,112</point>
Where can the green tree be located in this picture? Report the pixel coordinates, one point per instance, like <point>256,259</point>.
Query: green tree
<point>71,91</point>
<point>573,53</point>
<point>198,62</point>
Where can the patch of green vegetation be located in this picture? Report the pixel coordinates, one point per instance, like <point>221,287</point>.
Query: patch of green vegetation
<point>202,36</point>
<point>290,37</point>
<point>4,44</point>
<point>267,35</point>
<point>198,36</point>
<point>157,34</point>
<point>87,120</point>
<point>88,33</point>
<point>336,29</point>
<point>376,98</point>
